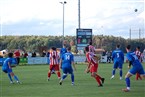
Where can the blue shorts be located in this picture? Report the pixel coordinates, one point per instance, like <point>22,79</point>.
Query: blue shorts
<point>118,65</point>
<point>136,69</point>
<point>67,70</point>
<point>7,70</point>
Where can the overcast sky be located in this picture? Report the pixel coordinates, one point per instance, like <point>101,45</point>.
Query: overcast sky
<point>44,17</point>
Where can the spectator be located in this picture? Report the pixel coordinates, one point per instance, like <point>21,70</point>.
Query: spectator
<point>33,54</point>
<point>25,54</point>
<point>109,56</point>
<point>48,54</point>
<point>44,53</point>
<point>104,53</point>
<point>17,56</point>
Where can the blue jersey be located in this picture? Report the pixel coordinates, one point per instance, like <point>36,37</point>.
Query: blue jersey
<point>118,56</point>
<point>131,56</point>
<point>5,66</point>
<point>62,51</point>
<point>67,59</point>
<point>137,66</point>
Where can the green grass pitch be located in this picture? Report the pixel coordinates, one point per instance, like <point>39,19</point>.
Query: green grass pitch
<point>35,84</point>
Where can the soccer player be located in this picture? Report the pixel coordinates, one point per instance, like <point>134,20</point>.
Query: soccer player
<point>66,64</point>
<point>91,47</point>
<point>54,63</point>
<point>136,67</point>
<point>6,67</point>
<point>93,67</point>
<point>118,60</point>
<point>138,54</point>
<point>63,50</point>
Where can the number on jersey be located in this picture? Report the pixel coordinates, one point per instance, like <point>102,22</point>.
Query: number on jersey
<point>67,57</point>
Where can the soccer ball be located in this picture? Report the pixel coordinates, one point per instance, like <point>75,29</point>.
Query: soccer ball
<point>135,10</point>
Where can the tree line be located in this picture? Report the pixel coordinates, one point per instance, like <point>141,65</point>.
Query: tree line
<point>37,43</point>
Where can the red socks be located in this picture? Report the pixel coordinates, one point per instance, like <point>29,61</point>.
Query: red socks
<point>58,74</point>
<point>49,74</point>
<point>98,78</point>
<point>138,76</point>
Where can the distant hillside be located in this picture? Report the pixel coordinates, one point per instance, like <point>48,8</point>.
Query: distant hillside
<point>34,43</point>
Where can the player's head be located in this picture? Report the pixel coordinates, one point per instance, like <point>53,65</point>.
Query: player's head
<point>10,55</point>
<point>86,49</point>
<point>138,47</point>
<point>64,45</point>
<point>117,46</point>
<point>128,48</point>
<point>53,48</point>
<point>90,43</point>
<point>69,48</point>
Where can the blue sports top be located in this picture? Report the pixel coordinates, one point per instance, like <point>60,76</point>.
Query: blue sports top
<point>62,51</point>
<point>67,59</point>
<point>118,55</point>
<point>131,56</point>
<point>5,64</point>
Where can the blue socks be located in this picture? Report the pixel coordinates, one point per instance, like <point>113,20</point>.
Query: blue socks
<point>113,72</point>
<point>9,76</point>
<point>127,82</point>
<point>15,77</point>
<point>72,78</point>
<point>120,72</point>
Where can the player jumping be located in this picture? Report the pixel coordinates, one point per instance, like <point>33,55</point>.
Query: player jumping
<point>118,60</point>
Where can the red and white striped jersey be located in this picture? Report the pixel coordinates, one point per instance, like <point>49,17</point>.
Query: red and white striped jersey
<point>91,49</point>
<point>138,54</point>
<point>90,58</point>
<point>54,58</point>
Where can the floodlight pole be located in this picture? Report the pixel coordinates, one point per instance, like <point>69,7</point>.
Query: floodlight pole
<point>1,28</point>
<point>63,3</point>
<point>79,15</point>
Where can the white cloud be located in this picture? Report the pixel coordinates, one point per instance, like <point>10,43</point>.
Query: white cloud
<point>142,15</point>
<point>108,15</point>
